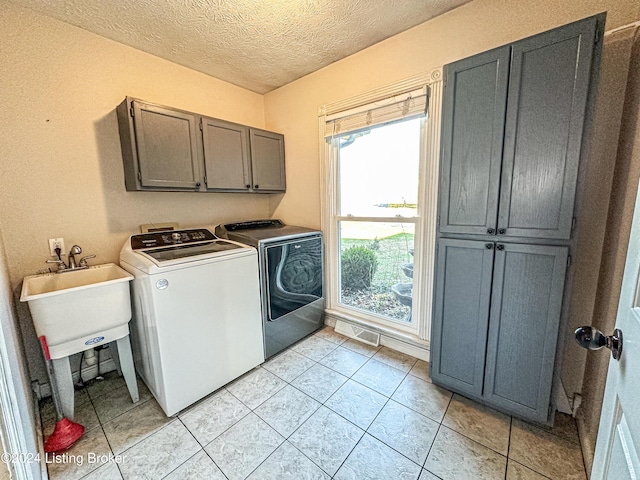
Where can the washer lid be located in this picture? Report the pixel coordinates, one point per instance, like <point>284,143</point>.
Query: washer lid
<point>174,248</point>
<point>168,254</point>
<point>259,232</point>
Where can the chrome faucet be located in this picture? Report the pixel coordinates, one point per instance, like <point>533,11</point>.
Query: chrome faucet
<point>75,250</point>
<point>73,265</point>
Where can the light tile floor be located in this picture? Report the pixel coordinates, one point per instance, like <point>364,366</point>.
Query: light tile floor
<point>328,407</point>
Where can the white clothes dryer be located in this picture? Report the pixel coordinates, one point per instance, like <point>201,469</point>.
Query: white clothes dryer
<point>197,321</point>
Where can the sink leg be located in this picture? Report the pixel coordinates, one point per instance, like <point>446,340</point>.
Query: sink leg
<point>126,364</point>
<point>62,371</point>
<point>113,347</point>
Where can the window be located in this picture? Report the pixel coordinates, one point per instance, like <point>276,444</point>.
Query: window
<point>376,218</point>
<point>378,212</point>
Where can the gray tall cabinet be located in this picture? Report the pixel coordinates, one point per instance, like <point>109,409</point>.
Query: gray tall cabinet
<point>513,124</point>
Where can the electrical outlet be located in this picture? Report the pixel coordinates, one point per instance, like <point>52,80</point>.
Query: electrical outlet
<point>56,243</point>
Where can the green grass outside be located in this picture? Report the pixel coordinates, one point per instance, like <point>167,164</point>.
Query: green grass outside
<point>391,253</point>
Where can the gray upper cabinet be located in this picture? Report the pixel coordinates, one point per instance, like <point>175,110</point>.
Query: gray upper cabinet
<point>160,147</point>
<point>547,101</point>
<point>526,303</point>
<point>226,155</point>
<point>267,160</point>
<point>512,134</point>
<point>240,158</point>
<point>165,149</point>
<point>473,124</point>
<point>461,314</point>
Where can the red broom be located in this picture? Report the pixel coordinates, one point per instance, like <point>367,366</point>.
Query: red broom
<point>66,432</point>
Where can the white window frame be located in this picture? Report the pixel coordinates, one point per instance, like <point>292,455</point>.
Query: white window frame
<point>425,234</point>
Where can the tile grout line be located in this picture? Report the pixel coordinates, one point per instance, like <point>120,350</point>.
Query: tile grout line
<point>550,431</point>
<point>203,447</point>
<point>365,431</point>
<point>322,404</point>
<point>226,429</point>
<point>386,444</point>
<point>84,386</point>
<point>440,425</point>
<point>196,453</point>
<point>101,423</point>
<point>286,439</point>
<point>506,470</point>
<point>118,416</point>
<point>388,399</point>
<point>424,465</point>
<point>563,440</point>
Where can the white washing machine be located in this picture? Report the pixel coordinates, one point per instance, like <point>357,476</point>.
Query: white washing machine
<point>197,322</point>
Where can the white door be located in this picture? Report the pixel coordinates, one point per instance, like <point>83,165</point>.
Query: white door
<point>618,445</point>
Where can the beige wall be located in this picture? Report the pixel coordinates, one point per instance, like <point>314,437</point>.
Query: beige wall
<point>61,166</point>
<point>61,171</point>
<point>472,28</point>
<point>625,186</point>
<point>593,201</point>
<point>60,162</point>
<point>475,27</point>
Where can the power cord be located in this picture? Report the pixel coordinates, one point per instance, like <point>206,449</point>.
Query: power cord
<point>80,383</point>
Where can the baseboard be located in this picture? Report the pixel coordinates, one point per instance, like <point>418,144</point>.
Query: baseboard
<point>587,451</point>
<point>42,390</point>
<point>40,439</point>
<point>419,352</point>
<point>563,404</point>
<point>396,341</point>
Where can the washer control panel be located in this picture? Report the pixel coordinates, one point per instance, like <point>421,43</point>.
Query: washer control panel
<point>170,238</point>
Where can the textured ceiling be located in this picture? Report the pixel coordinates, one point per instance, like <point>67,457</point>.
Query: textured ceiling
<point>256,44</point>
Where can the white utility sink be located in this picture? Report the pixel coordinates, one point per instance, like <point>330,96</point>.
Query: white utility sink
<point>80,309</point>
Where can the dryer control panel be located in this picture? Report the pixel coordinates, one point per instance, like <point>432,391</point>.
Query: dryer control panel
<point>170,238</point>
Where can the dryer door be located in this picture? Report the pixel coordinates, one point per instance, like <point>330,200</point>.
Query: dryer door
<point>294,275</point>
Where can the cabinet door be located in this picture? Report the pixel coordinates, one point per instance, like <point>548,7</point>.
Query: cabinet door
<point>528,283</point>
<point>548,93</point>
<point>473,122</point>
<point>167,147</point>
<point>461,313</point>
<point>226,155</point>
<point>267,161</point>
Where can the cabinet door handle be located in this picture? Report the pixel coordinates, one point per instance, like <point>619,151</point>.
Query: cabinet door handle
<point>256,186</point>
<point>248,186</point>
<point>500,247</point>
<point>197,184</point>
<point>502,231</point>
<point>491,231</point>
<point>488,246</point>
